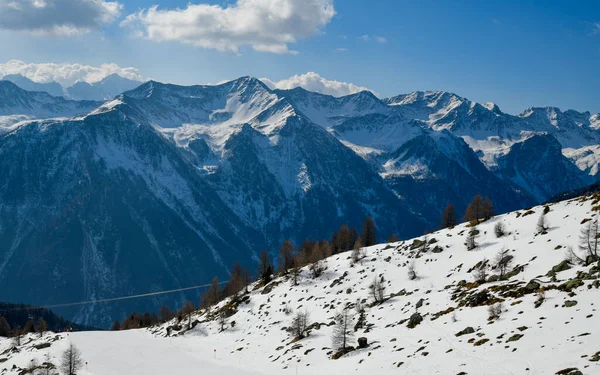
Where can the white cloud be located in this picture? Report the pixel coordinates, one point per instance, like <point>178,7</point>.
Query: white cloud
<point>57,17</point>
<point>376,38</point>
<point>265,25</point>
<point>596,28</point>
<point>314,82</point>
<point>341,49</point>
<point>66,74</point>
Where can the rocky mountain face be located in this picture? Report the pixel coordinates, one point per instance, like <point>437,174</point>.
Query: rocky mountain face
<point>165,186</point>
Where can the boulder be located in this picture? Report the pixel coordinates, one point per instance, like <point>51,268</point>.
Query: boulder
<point>465,331</point>
<point>415,320</point>
<point>362,342</point>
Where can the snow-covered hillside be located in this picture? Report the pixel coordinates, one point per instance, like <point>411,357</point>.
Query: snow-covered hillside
<point>547,318</point>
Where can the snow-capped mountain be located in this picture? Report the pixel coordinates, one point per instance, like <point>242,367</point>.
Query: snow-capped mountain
<point>52,88</point>
<point>443,309</point>
<point>185,180</point>
<point>18,105</point>
<point>107,88</point>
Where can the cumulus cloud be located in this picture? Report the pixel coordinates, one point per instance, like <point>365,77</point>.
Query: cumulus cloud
<point>57,17</point>
<point>66,74</point>
<point>265,25</point>
<point>314,82</point>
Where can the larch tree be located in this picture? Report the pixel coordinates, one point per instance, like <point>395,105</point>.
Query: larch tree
<point>368,236</point>
<point>449,217</point>
<point>487,209</point>
<point>286,256</point>
<point>474,211</point>
<point>342,331</point>
<point>265,266</point>
<point>71,360</point>
<point>42,326</point>
<point>4,327</point>
<point>187,310</point>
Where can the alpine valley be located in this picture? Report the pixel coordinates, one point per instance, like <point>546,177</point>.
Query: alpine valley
<point>166,186</point>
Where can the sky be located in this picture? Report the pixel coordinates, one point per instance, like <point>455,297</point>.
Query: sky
<point>517,54</point>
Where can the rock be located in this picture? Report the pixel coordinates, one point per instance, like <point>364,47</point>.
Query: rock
<point>569,371</point>
<point>420,303</point>
<point>415,320</point>
<point>267,289</point>
<point>515,337</point>
<point>480,342</point>
<point>493,278</point>
<point>569,303</point>
<point>437,249</point>
<point>362,342</point>
<point>42,346</point>
<point>532,286</point>
<point>465,331</point>
<point>562,266</point>
<point>342,352</point>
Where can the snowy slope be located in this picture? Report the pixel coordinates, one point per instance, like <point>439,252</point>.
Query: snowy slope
<point>525,339</point>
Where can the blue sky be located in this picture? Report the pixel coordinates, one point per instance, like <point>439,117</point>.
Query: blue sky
<point>515,53</point>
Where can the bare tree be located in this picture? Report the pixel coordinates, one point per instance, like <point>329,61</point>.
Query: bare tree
<point>412,271</point>
<point>449,217</point>
<point>48,365</point>
<point>342,331</point>
<point>71,360</point>
<point>495,311</point>
<point>589,240</point>
<point>503,261</point>
<point>42,326</point>
<point>542,224</point>
<point>286,256</point>
<point>187,309</point>
<point>472,239</point>
<point>166,313</point>
<point>481,273</point>
<point>358,252</point>
<point>17,334</point>
<point>377,290</point>
<point>499,229</point>
<point>222,320</point>
<point>300,324</point>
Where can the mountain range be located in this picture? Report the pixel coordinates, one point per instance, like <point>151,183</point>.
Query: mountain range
<point>104,89</point>
<point>165,186</point>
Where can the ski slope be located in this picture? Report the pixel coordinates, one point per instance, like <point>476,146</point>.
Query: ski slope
<point>562,333</point>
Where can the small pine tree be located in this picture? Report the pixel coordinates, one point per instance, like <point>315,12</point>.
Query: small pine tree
<point>71,360</point>
<point>342,331</point>
<point>368,237</point>
<point>449,217</point>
